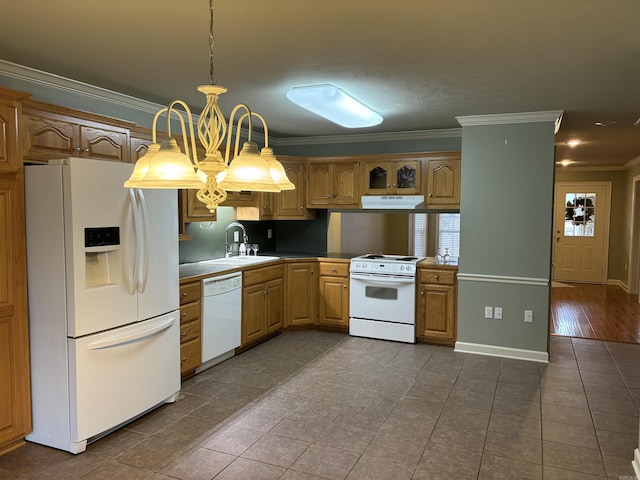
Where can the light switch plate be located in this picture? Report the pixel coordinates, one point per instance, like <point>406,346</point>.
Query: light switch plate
<point>497,313</point>
<point>488,312</point>
<point>528,316</point>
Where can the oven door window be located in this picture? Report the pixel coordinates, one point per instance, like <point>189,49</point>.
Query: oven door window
<point>381,293</point>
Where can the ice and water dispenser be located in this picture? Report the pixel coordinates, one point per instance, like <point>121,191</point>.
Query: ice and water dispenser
<point>102,256</point>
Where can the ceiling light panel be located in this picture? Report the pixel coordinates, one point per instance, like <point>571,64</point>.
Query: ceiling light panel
<point>335,105</point>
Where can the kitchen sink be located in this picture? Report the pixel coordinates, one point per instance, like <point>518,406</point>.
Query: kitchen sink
<point>240,260</point>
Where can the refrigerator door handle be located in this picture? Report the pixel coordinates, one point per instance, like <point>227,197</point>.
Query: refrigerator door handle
<point>133,284</point>
<point>144,253</point>
<point>131,337</point>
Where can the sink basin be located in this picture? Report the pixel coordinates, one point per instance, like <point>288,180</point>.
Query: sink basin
<point>240,260</point>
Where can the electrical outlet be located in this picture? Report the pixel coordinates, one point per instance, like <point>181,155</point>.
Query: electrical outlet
<point>528,316</point>
<point>497,313</point>
<point>488,312</point>
<point>269,233</point>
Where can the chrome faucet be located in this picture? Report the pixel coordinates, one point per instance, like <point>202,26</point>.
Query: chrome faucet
<point>228,248</point>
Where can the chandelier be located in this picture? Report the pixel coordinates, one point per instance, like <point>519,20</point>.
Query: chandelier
<point>166,166</point>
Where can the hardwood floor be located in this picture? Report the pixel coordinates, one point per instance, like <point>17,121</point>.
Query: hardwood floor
<point>601,312</point>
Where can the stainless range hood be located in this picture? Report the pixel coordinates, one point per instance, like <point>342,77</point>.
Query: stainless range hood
<point>392,202</point>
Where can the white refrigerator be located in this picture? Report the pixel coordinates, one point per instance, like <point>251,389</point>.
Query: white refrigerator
<point>102,264</point>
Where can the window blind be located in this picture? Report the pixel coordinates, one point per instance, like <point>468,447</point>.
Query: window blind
<point>449,233</point>
<point>419,234</point>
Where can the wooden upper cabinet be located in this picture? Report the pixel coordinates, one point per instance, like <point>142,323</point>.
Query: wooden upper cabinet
<point>391,177</point>
<point>10,159</point>
<point>263,207</point>
<point>442,184</point>
<point>48,135</point>
<point>291,204</point>
<point>140,139</point>
<point>332,182</point>
<point>192,209</point>
<point>241,199</point>
<point>104,143</point>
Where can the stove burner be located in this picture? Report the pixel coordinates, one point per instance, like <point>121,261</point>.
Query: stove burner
<point>395,258</point>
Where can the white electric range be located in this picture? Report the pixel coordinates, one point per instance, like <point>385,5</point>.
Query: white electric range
<point>382,297</point>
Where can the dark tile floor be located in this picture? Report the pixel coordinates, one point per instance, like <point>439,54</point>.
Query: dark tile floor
<point>316,405</point>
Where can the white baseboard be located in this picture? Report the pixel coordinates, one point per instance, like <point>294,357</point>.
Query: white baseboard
<point>618,283</point>
<point>506,352</point>
<point>636,462</point>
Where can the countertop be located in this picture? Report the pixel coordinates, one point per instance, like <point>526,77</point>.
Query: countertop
<point>434,262</point>
<point>197,270</point>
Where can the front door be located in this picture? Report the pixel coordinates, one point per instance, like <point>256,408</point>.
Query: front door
<point>581,232</point>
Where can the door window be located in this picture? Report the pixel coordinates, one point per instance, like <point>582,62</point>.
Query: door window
<point>579,217</point>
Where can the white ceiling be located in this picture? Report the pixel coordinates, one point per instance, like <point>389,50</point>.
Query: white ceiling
<point>419,63</point>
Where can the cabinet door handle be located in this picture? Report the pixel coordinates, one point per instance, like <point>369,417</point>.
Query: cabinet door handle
<point>184,294</point>
<point>184,314</point>
<point>344,285</point>
<point>86,150</point>
<point>422,293</point>
<point>437,277</point>
<point>388,185</point>
<point>334,195</point>
<point>394,185</point>
<point>431,194</point>
<point>300,207</point>
<point>184,359</point>
<point>184,334</point>
<point>77,149</point>
<point>312,271</point>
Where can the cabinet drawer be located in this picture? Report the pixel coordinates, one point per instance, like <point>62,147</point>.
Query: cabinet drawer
<point>334,269</point>
<point>189,312</point>
<point>440,277</point>
<point>190,331</point>
<point>260,275</point>
<point>189,292</point>
<point>190,355</point>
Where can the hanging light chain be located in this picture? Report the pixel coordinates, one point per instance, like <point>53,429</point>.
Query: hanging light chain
<point>212,79</point>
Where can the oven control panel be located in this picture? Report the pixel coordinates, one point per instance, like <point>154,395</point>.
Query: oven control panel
<point>365,266</point>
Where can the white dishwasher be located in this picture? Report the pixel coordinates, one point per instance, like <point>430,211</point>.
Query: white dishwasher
<point>221,317</point>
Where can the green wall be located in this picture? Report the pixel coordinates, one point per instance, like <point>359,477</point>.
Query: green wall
<point>506,210</point>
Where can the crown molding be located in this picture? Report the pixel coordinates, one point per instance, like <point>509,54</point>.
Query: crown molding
<point>601,168</point>
<point>68,85</point>
<point>592,168</point>
<point>507,118</point>
<point>38,77</point>
<point>633,162</point>
<point>370,137</point>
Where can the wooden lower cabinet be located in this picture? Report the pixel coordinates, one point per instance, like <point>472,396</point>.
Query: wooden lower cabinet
<point>436,306</point>
<point>190,327</point>
<point>302,294</point>
<point>262,303</point>
<point>333,295</point>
